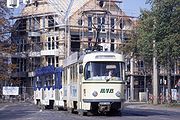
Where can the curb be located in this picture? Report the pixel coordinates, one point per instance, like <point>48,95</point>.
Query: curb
<point>152,107</point>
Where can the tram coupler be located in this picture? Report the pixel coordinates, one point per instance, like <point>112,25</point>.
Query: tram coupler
<point>104,107</point>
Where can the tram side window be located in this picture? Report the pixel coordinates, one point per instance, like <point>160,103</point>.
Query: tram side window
<point>71,74</point>
<point>48,81</point>
<point>36,81</point>
<point>65,76</point>
<point>39,84</point>
<point>75,73</point>
<point>53,80</point>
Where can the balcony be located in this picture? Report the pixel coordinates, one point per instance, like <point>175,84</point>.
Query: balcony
<point>55,52</point>
<point>20,55</point>
<point>19,74</point>
<point>34,54</point>
<point>33,34</point>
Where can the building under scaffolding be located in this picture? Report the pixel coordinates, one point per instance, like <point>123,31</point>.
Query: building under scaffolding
<point>47,31</point>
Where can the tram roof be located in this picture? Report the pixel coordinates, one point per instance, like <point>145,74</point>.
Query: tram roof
<point>93,56</point>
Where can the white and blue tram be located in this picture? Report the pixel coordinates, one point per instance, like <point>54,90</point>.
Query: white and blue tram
<point>94,82</point>
<point>48,87</point>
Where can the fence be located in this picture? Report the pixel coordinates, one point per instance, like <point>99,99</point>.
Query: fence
<point>142,95</point>
<point>164,98</point>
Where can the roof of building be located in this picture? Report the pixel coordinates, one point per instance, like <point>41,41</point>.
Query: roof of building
<point>61,6</point>
<point>57,7</point>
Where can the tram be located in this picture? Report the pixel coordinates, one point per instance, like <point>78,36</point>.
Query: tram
<point>48,87</point>
<point>87,83</point>
<point>94,82</point>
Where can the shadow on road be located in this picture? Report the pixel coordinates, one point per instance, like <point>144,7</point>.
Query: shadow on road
<point>144,112</point>
<point>16,112</point>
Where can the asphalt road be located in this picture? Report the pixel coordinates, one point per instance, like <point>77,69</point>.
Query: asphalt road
<point>27,111</point>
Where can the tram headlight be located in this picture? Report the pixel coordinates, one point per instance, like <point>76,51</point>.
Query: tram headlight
<point>118,94</point>
<point>95,93</point>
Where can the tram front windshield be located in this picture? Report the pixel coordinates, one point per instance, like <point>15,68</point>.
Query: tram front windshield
<point>103,70</point>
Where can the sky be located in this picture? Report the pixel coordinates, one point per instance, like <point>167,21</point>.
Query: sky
<point>132,7</point>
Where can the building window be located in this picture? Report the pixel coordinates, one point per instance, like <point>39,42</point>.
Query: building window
<point>49,43</point>
<point>21,45</point>
<point>57,61</point>
<point>75,43</point>
<point>36,24</point>
<point>103,40</point>
<point>53,43</point>
<point>30,20</point>
<point>49,61</point>
<point>101,3</point>
<point>89,42</point>
<point>112,44</point>
<point>99,40</point>
<point>140,64</point>
<point>89,23</point>
<point>53,61</point>
<point>57,42</point>
<point>50,21</point>
<point>80,22</point>
<point>36,46</point>
<point>22,25</point>
<point>112,24</point>
<point>127,65</point>
<point>121,24</point>
<point>44,23</point>
<point>101,23</point>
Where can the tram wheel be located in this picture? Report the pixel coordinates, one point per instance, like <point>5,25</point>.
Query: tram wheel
<point>56,108</point>
<point>70,110</point>
<point>82,113</point>
<point>43,107</point>
<point>38,104</point>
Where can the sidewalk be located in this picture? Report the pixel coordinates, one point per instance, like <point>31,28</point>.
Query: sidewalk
<point>144,105</point>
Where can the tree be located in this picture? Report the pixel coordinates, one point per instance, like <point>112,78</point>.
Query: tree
<point>145,36</point>
<point>6,48</point>
<point>167,34</point>
<point>161,24</point>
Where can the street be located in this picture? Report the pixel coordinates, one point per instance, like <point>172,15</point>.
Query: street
<point>28,111</point>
